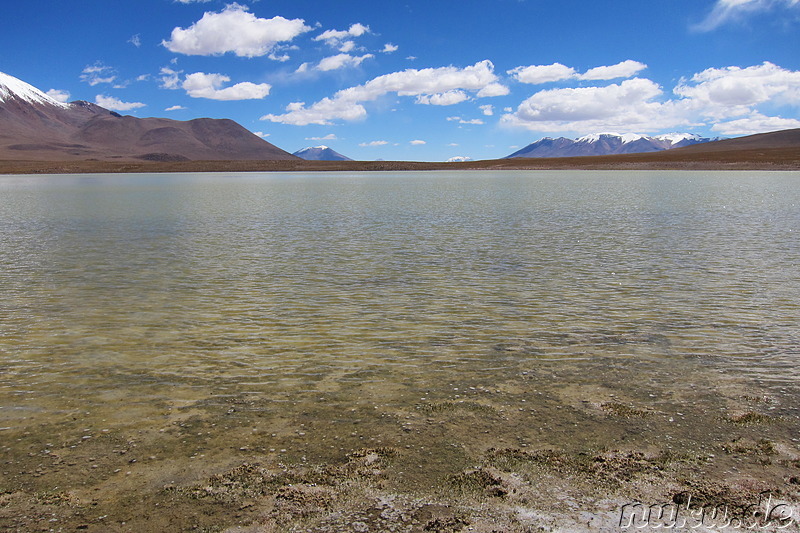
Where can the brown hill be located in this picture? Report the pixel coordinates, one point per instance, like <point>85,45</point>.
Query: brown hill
<point>760,141</point>
<point>34,127</point>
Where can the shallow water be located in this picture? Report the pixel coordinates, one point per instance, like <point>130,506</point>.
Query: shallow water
<point>357,299</point>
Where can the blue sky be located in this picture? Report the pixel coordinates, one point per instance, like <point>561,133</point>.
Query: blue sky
<point>418,80</point>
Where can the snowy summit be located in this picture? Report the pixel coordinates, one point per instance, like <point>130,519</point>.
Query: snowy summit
<point>608,144</point>
<point>320,153</point>
<point>11,88</point>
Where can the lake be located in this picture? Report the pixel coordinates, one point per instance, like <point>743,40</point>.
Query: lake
<point>195,323</point>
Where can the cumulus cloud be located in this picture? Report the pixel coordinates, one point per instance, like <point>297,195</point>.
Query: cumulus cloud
<point>755,123</point>
<point>58,95</point>
<point>328,137</point>
<point>417,142</point>
<point>536,74</point>
<point>439,86</point>
<point>388,48</point>
<point>261,134</point>
<point>347,46</point>
<point>493,89</point>
<point>628,105</point>
<point>725,11</point>
<point>340,61</point>
<point>236,30</point>
<point>445,98</point>
<point>334,37</point>
<point>459,159</point>
<point>732,91</point>
<point>97,74</point>
<point>728,99</point>
<point>136,40</point>
<point>115,104</point>
<point>625,69</point>
<point>487,110</point>
<point>202,85</point>
<point>323,112</point>
<point>175,108</point>
<point>374,143</point>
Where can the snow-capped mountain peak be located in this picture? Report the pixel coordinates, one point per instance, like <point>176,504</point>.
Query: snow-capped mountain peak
<point>11,87</point>
<point>624,137</point>
<point>607,143</point>
<point>320,153</point>
<point>675,138</point>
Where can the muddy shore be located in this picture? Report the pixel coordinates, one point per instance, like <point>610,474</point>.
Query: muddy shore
<point>545,448</point>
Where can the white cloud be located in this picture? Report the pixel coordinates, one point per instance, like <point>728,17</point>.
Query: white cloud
<point>474,121</point>
<point>445,98</point>
<point>429,81</point>
<point>628,106</point>
<point>115,104</point>
<point>459,159</point>
<point>727,99</point>
<point>175,108</point>
<point>340,61</point>
<point>733,91</point>
<point>170,79</point>
<point>193,1</point>
<point>755,123</point>
<point>136,40</point>
<point>388,48</point>
<point>235,30</point>
<point>492,90</point>
<point>487,110</point>
<point>261,134</point>
<point>322,112</point>
<point>97,74</point>
<point>347,46</point>
<point>374,143</point>
<point>59,96</point>
<point>536,74</point>
<point>625,69</point>
<point>202,85</point>
<point>334,37</point>
<point>429,85</point>
<point>417,142</point>
<point>328,137</point>
<point>725,11</point>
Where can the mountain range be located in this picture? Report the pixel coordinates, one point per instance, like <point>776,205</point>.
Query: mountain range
<point>608,144</point>
<point>320,153</point>
<point>36,127</point>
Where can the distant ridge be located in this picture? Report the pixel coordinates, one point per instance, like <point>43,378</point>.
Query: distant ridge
<point>36,127</point>
<point>608,144</point>
<point>320,153</point>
